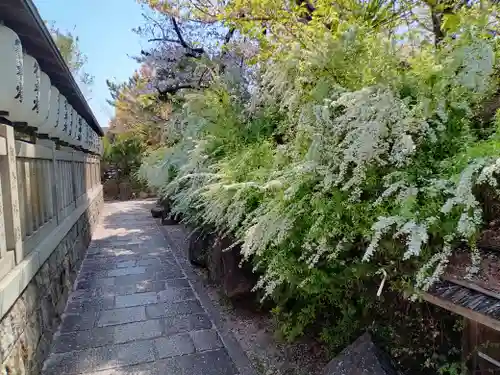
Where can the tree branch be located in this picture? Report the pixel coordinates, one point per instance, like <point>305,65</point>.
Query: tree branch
<point>164,40</point>
<point>172,90</point>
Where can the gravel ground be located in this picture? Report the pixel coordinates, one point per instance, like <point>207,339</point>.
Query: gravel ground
<point>255,331</point>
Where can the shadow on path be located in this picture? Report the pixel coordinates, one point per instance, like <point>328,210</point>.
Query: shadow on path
<point>134,310</point>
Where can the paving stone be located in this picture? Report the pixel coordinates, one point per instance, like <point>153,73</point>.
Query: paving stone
<point>82,294</point>
<point>126,271</point>
<point>176,295</point>
<point>133,279</point>
<point>178,283</point>
<point>92,284</point>
<point>131,353</point>
<point>76,362</point>
<point>72,322</point>
<point>169,274</point>
<point>141,369</point>
<point>90,304</point>
<point>93,274</point>
<point>137,331</point>
<point>171,309</point>
<point>121,316</point>
<point>83,339</point>
<point>98,359</point>
<point>174,345</point>
<point>116,290</point>
<point>154,262</point>
<point>162,265</point>
<point>215,362</point>
<point>126,264</point>
<point>150,286</point>
<point>137,299</point>
<point>184,323</point>
<point>207,339</point>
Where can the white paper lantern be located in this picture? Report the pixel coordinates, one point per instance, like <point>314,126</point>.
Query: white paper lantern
<point>27,109</point>
<point>11,70</point>
<point>44,103</point>
<point>63,119</point>
<point>70,124</point>
<point>88,136</point>
<point>32,84</point>
<point>74,128</point>
<point>50,125</point>
<point>79,137</point>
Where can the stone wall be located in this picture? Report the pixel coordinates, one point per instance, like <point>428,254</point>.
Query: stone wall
<point>26,330</point>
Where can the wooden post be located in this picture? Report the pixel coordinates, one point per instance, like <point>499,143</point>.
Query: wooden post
<point>55,178</point>
<point>73,177</point>
<point>10,196</point>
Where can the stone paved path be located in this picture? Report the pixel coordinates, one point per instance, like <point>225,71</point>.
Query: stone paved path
<point>133,311</point>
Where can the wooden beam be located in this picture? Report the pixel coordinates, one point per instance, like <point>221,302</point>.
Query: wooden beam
<point>463,311</point>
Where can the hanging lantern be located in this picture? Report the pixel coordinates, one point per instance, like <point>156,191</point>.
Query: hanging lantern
<point>84,130</point>
<point>11,71</point>
<point>32,85</point>
<point>50,125</point>
<point>79,131</point>
<point>44,103</point>
<point>89,135</point>
<point>82,134</point>
<point>25,112</point>
<point>74,128</point>
<point>69,129</point>
<point>86,137</point>
<point>63,118</point>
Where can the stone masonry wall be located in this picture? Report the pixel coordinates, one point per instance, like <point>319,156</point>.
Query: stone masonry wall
<point>26,330</point>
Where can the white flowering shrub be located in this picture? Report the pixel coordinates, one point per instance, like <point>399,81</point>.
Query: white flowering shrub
<point>343,164</point>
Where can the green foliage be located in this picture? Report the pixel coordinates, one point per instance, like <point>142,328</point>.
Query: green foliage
<point>123,155</point>
<point>352,164</point>
<point>68,45</point>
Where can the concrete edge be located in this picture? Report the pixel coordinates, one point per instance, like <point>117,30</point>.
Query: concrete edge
<point>234,349</point>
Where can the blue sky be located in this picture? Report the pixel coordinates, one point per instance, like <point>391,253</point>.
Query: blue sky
<point>105,31</point>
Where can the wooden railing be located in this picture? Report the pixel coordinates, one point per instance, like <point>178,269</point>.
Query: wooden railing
<point>41,185</point>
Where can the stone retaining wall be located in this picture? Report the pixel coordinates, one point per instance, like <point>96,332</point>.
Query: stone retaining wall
<point>26,330</point>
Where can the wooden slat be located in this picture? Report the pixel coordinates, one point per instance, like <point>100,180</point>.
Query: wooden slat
<point>64,155</point>
<point>3,237</point>
<point>56,194</point>
<point>79,156</point>
<point>35,193</point>
<point>22,203</point>
<point>28,197</point>
<point>472,286</point>
<point>32,151</point>
<point>39,235</point>
<point>465,312</point>
<point>10,194</point>
<point>3,146</point>
<point>7,263</point>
